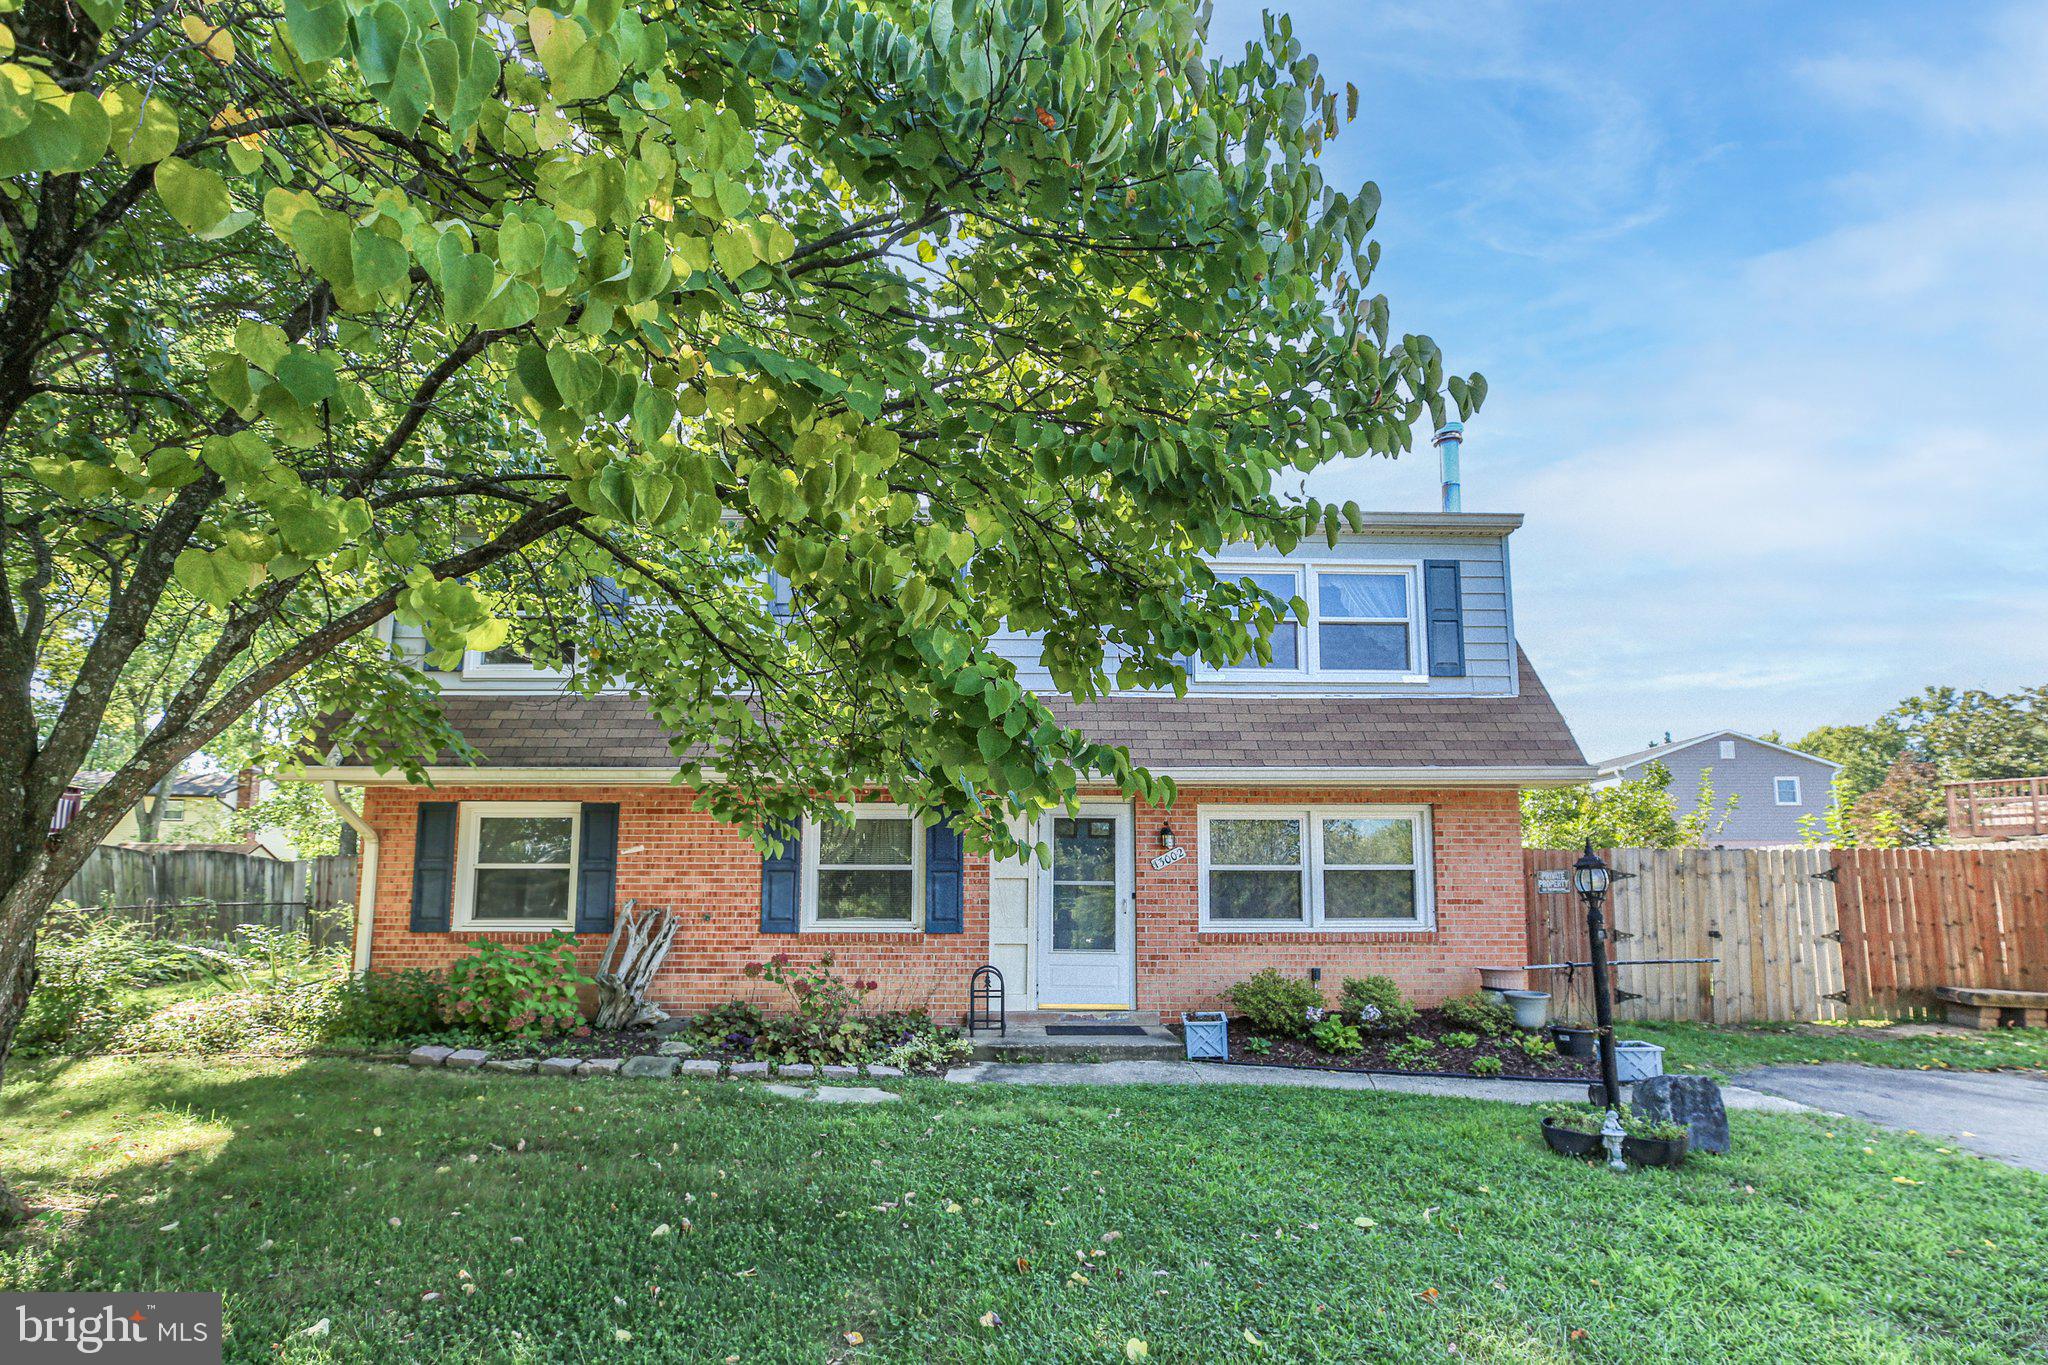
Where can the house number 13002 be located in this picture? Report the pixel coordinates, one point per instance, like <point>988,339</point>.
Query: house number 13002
<point>1169,858</point>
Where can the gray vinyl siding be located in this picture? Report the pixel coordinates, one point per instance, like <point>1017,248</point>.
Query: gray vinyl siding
<point>1759,821</point>
<point>1483,590</point>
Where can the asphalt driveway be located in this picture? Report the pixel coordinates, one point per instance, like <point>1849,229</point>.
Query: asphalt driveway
<point>2000,1114</point>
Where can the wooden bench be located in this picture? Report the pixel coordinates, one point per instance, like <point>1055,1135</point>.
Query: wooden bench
<point>1973,1007</point>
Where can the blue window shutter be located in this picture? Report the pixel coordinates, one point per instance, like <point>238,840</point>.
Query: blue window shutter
<point>943,912</point>
<point>782,883</point>
<point>433,868</point>
<point>1445,605</point>
<point>597,867</point>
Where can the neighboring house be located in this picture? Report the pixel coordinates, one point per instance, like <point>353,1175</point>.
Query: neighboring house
<point>1351,808</point>
<point>199,809</point>
<point>1774,787</point>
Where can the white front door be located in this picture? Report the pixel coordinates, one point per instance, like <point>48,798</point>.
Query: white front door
<point>1086,957</point>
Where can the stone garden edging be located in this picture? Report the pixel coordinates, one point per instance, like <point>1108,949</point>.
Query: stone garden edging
<point>661,1066</point>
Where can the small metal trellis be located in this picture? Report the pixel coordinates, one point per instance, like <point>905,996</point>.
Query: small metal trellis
<point>985,1002</point>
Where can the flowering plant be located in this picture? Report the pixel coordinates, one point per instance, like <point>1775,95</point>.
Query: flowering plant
<point>525,992</point>
<point>821,1026</point>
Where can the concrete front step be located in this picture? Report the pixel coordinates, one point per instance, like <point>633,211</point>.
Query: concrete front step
<point>1029,1038</point>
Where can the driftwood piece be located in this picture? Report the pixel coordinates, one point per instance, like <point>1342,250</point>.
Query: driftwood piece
<point>639,945</point>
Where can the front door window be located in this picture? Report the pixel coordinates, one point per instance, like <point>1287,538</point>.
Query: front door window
<point>1084,885</point>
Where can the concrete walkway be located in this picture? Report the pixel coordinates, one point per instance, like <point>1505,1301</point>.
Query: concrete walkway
<point>2000,1114</point>
<point>1206,1073</point>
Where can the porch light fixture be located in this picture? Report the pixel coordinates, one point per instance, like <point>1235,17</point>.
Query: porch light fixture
<point>1166,839</point>
<point>1590,876</point>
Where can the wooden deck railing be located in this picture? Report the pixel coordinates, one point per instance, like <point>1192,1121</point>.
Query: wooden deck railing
<point>1998,808</point>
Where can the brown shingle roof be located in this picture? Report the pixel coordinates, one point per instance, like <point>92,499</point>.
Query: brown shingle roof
<point>1161,732</point>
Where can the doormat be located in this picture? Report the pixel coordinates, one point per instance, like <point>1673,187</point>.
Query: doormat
<point>1099,1030</point>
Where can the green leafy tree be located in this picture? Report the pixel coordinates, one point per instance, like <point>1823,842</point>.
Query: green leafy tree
<point>1908,809</point>
<point>1635,812</point>
<point>963,317</point>
<point>1943,734</point>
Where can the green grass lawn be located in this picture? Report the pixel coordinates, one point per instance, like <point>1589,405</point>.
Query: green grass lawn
<point>445,1216</point>
<point>1697,1047</point>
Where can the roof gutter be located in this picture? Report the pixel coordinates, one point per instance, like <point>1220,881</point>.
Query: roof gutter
<point>1545,775</point>
<point>366,878</point>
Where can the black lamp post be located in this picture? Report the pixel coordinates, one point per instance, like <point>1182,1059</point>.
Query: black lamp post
<point>1590,877</point>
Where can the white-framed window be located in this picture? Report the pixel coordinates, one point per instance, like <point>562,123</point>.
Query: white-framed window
<point>1364,621</point>
<point>510,660</point>
<point>1316,868</point>
<point>172,810</point>
<point>867,875</point>
<point>1788,790</point>
<point>1727,748</point>
<point>1285,583</point>
<point>515,865</point>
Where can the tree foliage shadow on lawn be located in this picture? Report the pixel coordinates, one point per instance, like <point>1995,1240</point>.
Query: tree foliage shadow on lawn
<point>532,1210</point>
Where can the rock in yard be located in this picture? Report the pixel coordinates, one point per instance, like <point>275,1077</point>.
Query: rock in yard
<point>649,1068</point>
<point>701,1066</point>
<point>839,1071</point>
<point>797,1069</point>
<point>878,1069</point>
<point>560,1066</point>
<point>467,1058</point>
<point>853,1094</point>
<point>1693,1101</point>
<point>517,1065</point>
<point>600,1066</point>
<point>749,1068</point>
<point>673,1047</point>
<point>429,1056</point>
<point>788,1092</point>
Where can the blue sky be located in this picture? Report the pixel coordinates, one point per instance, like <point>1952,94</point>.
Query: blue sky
<point>1761,293</point>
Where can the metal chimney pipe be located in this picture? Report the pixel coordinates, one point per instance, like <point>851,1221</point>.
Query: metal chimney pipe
<point>1450,438</point>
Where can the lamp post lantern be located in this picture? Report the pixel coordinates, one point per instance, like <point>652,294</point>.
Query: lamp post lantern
<point>1590,878</point>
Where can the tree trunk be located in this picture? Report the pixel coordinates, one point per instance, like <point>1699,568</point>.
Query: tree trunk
<point>17,979</point>
<point>149,811</point>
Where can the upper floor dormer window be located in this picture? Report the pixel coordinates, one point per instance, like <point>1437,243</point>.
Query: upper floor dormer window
<point>1362,621</point>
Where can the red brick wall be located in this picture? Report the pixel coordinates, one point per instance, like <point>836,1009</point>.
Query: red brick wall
<point>688,861</point>
<point>1479,914</point>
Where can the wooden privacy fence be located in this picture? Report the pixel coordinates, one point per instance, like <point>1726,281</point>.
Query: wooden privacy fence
<point>1799,933</point>
<point>1762,912</point>
<point>1917,918</point>
<point>205,893</point>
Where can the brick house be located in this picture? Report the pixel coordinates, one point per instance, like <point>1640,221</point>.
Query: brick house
<point>1351,807</point>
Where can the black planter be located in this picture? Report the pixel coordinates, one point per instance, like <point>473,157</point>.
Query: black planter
<point>1655,1151</point>
<point>1570,1141</point>
<point>1575,1042</point>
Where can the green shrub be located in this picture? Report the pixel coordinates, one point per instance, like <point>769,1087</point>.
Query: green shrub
<point>1334,1035</point>
<point>75,1007</point>
<point>1479,1013</point>
<point>1412,1052</point>
<point>1535,1045</point>
<point>287,1017</point>
<point>931,1052</point>
<point>731,1027</point>
<point>1259,1047</point>
<point>525,992</point>
<point>1461,1040</point>
<point>1282,1005</point>
<point>388,1006</point>
<point>1487,1066</point>
<point>1376,1003</point>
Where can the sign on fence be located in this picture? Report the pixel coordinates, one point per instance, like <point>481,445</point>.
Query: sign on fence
<point>1553,881</point>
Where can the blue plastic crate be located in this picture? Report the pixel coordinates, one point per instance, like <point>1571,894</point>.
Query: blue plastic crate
<point>1208,1034</point>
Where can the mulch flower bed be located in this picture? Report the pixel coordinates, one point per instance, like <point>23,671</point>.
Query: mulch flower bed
<point>1442,1058</point>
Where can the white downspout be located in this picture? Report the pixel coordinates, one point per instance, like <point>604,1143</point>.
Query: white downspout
<point>366,878</point>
